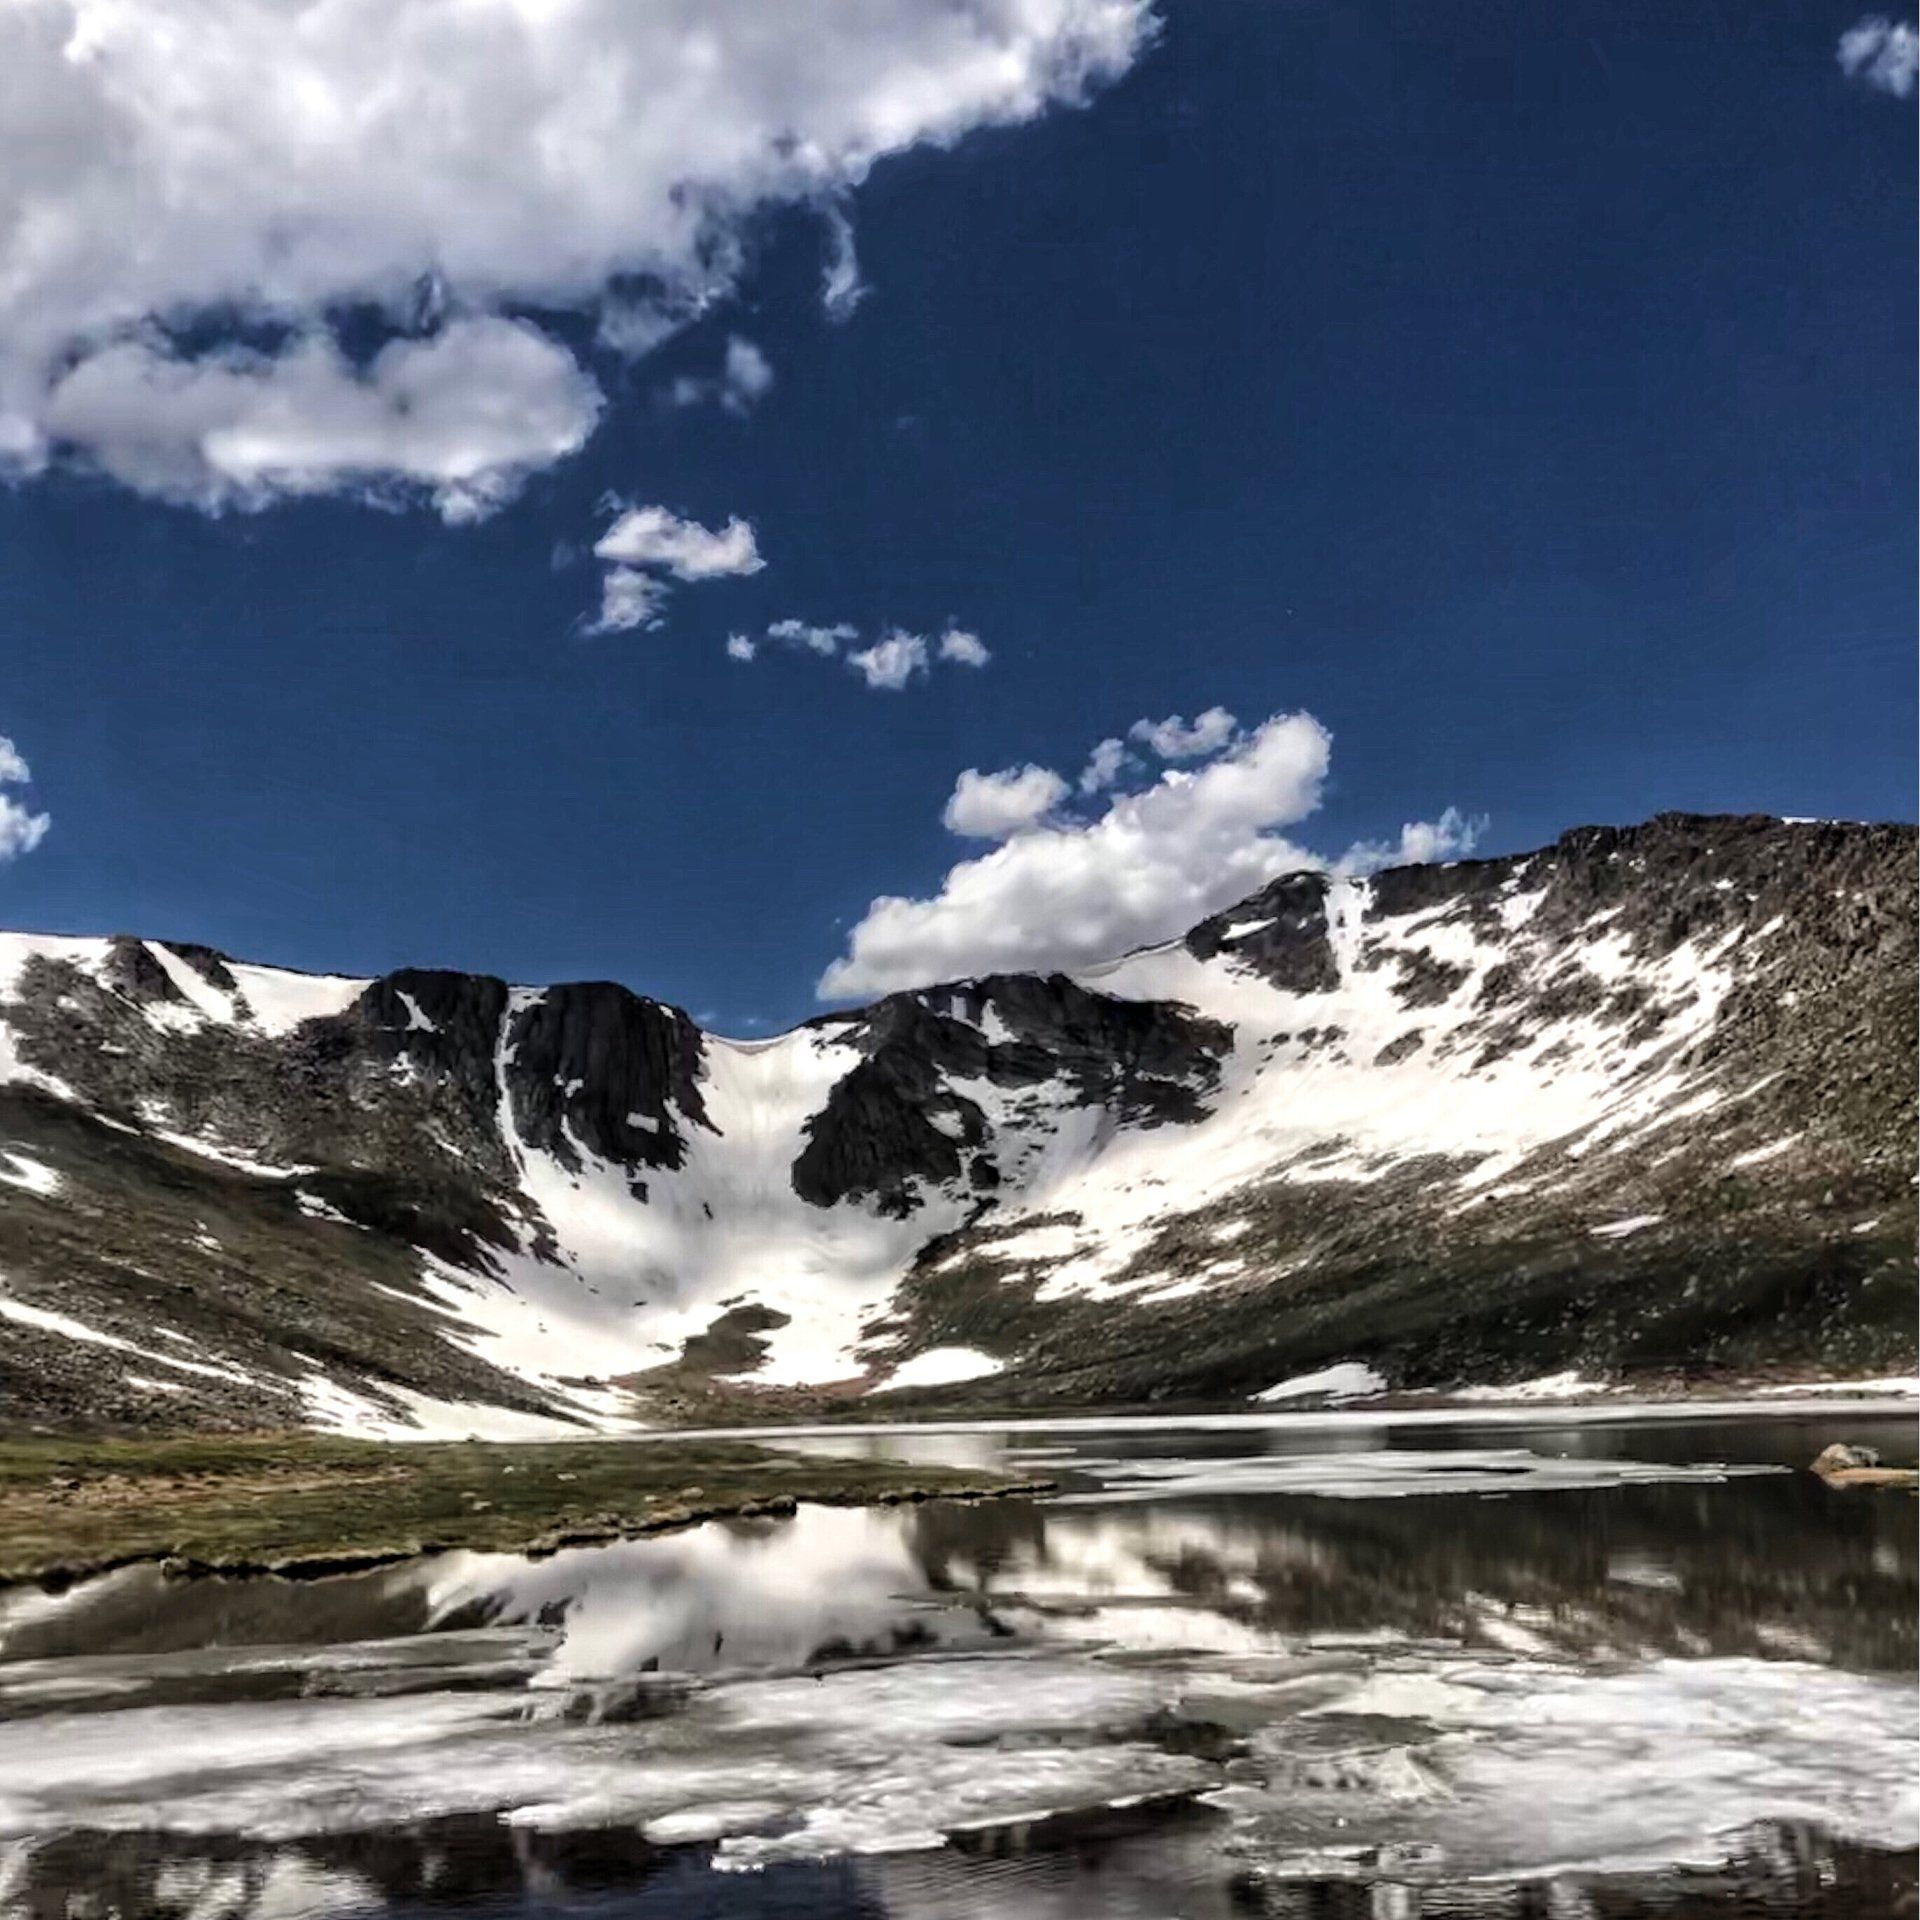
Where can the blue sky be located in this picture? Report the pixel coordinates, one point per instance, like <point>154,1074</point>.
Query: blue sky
<point>1526,394</point>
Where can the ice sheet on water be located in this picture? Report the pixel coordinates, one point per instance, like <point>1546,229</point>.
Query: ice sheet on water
<point>1387,1473</point>
<point>1536,1765</point>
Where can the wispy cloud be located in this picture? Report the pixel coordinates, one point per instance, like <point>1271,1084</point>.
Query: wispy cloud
<point>825,641</point>
<point>1883,54</point>
<point>1451,836</point>
<point>744,380</point>
<point>841,287</point>
<point>21,829</point>
<point>890,664</point>
<point>630,600</point>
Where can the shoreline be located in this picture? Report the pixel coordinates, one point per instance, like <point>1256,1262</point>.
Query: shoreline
<point>301,1506</point>
<point>1324,1419</point>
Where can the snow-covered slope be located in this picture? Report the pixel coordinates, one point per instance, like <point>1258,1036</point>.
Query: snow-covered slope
<point>1639,1100</point>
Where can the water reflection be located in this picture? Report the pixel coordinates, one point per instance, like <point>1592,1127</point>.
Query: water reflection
<point>1216,1699</point>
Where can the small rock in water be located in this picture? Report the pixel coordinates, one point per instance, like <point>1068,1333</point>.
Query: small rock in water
<point>1844,1466</point>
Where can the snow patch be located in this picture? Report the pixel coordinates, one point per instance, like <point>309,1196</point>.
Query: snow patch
<point>22,1170</point>
<point>940,1367</point>
<point>279,1000</point>
<point>1619,1229</point>
<point>1349,1380</point>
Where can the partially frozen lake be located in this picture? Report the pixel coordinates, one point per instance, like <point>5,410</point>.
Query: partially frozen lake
<point>1539,1667</point>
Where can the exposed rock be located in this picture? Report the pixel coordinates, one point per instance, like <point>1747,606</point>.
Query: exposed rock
<point>1281,933</point>
<point>1843,1466</point>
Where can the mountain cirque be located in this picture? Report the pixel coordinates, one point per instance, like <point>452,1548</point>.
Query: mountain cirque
<point>1641,1103</point>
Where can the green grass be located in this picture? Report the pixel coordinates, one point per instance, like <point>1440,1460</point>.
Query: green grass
<point>304,1503</point>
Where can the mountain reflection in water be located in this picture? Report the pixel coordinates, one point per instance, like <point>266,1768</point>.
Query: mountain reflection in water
<point>1630,1671</point>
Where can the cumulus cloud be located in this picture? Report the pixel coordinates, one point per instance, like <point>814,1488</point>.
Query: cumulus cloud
<point>963,649</point>
<point>459,418</point>
<point>996,806</point>
<point>744,380</point>
<point>891,662</point>
<point>1105,764</point>
<point>1064,892</point>
<point>21,829</point>
<point>841,287</point>
<point>653,537</point>
<point>739,647</point>
<point>1146,868</point>
<point>1881,53</point>
<point>213,171</point>
<point>646,544</point>
<point>1173,739</point>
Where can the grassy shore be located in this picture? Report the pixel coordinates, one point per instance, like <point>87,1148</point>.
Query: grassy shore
<point>307,1504</point>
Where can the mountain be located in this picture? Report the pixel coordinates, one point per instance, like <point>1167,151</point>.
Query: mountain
<point>1641,1102</point>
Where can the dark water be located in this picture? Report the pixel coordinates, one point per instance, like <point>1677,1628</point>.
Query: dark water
<point>1557,1671</point>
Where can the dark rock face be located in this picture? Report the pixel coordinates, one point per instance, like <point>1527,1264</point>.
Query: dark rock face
<point>1288,946</point>
<point>132,970</point>
<point>881,1128</point>
<point>445,1026</point>
<point>895,1119</point>
<point>599,1065</point>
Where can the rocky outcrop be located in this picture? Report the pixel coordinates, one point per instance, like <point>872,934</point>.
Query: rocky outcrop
<point>599,1070</point>
<point>1281,933</point>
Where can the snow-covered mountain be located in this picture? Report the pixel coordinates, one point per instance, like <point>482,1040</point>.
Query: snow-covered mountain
<point>1641,1101</point>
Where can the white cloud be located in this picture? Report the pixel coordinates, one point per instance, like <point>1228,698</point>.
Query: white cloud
<point>1882,53</point>
<point>841,287</point>
<point>653,537</point>
<point>459,418</point>
<point>1104,766</point>
<point>630,599</point>
<point>179,163</point>
<point>1448,838</point>
<point>891,662</point>
<point>645,543</point>
<point>739,647</point>
<point>821,640</point>
<point>21,829</point>
<point>744,380</point>
<point>1173,739</point>
<point>1148,866</point>
<point>963,649</point>
<point>996,806</point>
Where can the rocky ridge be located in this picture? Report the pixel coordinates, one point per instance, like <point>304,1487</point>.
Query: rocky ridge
<point>1639,1103</point>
